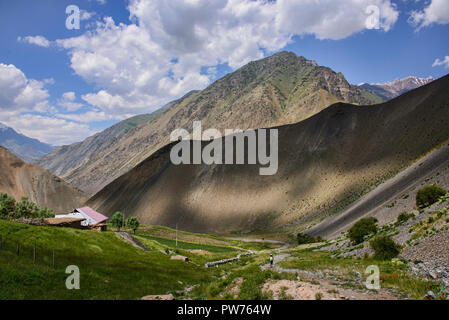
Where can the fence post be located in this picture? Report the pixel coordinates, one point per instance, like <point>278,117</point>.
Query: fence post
<point>34,253</point>
<point>18,249</point>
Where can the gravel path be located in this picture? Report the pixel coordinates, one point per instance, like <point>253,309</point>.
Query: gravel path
<point>127,237</point>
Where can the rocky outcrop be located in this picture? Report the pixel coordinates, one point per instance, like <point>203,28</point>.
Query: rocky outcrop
<point>430,257</point>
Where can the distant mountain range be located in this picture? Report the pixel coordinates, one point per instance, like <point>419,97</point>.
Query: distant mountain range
<point>278,90</point>
<point>326,162</point>
<point>26,148</point>
<point>390,90</point>
<point>19,179</point>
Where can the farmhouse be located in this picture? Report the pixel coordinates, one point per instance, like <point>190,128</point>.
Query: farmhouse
<point>91,218</point>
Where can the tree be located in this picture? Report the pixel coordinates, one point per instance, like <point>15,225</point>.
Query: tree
<point>117,220</point>
<point>385,248</point>
<point>428,196</point>
<point>7,204</point>
<point>361,229</point>
<point>23,209</point>
<point>132,223</point>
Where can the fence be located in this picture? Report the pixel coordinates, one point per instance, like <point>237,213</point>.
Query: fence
<point>32,253</point>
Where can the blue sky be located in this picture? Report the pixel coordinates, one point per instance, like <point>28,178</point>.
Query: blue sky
<point>131,57</point>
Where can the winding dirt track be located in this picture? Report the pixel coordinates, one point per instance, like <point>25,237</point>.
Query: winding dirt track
<point>383,194</point>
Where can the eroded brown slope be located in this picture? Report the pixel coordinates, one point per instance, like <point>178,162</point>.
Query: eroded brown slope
<point>277,90</point>
<point>325,163</point>
<point>20,179</point>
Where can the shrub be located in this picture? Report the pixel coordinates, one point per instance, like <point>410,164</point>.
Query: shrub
<point>304,238</point>
<point>385,248</point>
<point>428,196</point>
<point>361,229</point>
<point>404,217</point>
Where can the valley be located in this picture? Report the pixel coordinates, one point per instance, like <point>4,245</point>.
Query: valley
<point>344,158</point>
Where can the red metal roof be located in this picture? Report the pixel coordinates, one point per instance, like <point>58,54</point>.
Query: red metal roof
<point>98,217</point>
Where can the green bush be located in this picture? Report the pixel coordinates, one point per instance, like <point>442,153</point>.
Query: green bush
<point>428,196</point>
<point>361,229</point>
<point>404,217</point>
<point>7,205</point>
<point>304,238</point>
<point>385,248</point>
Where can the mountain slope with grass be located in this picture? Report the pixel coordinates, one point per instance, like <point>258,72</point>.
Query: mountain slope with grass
<point>277,90</point>
<point>326,162</point>
<point>19,179</point>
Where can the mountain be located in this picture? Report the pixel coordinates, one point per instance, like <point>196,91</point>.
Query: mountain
<point>20,179</point>
<point>278,90</point>
<point>25,148</point>
<point>390,90</point>
<point>74,157</point>
<point>325,163</point>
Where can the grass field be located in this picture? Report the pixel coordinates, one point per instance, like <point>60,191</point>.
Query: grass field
<point>191,246</point>
<point>110,268</point>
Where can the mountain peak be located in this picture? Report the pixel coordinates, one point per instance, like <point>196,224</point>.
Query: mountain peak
<point>3,127</point>
<point>26,148</point>
<point>289,55</point>
<point>277,90</point>
<point>395,88</point>
<point>409,79</point>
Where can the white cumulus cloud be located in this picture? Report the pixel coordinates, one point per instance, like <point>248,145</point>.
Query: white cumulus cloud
<point>50,130</point>
<point>439,63</point>
<point>68,102</point>
<point>436,12</point>
<point>36,40</point>
<point>18,93</point>
<point>160,55</point>
<point>24,106</point>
